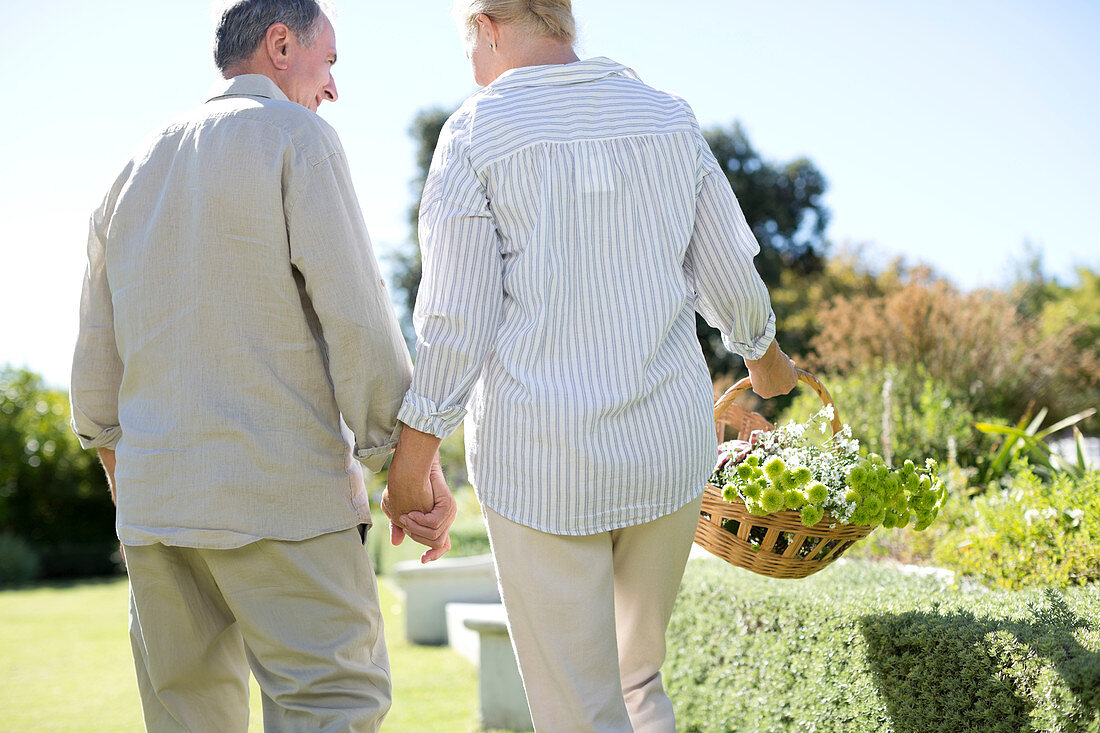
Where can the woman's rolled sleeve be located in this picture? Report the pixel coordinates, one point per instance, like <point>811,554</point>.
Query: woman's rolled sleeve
<point>719,267</point>
<point>421,413</point>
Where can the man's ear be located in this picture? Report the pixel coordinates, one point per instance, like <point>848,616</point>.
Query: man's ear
<point>276,44</point>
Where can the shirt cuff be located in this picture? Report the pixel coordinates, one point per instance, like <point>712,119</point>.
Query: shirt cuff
<point>91,435</point>
<point>374,458</point>
<point>753,349</point>
<point>420,413</point>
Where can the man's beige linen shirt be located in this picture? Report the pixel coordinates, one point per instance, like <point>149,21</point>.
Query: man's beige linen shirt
<point>232,311</point>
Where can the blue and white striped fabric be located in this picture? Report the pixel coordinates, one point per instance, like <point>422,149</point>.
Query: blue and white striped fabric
<point>572,222</point>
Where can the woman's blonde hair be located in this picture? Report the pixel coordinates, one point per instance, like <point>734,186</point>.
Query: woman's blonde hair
<point>546,18</point>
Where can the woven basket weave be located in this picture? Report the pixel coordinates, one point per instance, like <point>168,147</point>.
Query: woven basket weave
<point>777,545</point>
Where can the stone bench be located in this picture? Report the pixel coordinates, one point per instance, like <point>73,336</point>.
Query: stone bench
<point>463,639</point>
<point>503,701</point>
<point>429,588</point>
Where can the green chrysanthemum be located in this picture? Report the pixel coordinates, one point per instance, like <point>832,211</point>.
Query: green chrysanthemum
<point>757,508</point>
<point>744,472</point>
<point>772,499</point>
<point>774,467</point>
<point>817,493</point>
<point>752,491</point>
<point>811,515</point>
<point>924,519</point>
<point>802,476</point>
<point>793,499</point>
<point>729,493</point>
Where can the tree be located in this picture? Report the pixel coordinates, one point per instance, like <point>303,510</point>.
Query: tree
<point>782,203</point>
<point>425,130</point>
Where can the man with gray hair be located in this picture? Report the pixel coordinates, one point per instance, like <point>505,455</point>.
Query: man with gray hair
<point>232,315</point>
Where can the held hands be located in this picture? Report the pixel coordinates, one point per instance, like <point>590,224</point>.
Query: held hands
<point>431,529</point>
<point>772,374</point>
<point>417,500</point>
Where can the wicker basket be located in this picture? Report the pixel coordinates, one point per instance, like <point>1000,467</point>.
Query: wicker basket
<point>778,544</point>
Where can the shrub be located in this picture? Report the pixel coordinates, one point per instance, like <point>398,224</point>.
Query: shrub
<point>976,344</point>
<point>1030,533</point>
<point>861,647</point>
<point>902,414</point>
<point>51,491</point>
<point>18,562</point>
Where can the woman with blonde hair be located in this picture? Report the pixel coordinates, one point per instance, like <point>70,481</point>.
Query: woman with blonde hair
<point>573,221</point>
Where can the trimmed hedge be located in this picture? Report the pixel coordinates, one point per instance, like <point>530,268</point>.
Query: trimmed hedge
<point>866,647</point>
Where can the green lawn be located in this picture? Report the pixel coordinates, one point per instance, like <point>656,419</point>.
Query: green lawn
<point>65,666</point>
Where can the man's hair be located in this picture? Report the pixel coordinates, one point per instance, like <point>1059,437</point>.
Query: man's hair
<point>244,23</point>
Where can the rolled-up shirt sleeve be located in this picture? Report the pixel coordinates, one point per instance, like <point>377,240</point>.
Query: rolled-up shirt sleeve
<point>97,368</point>
<point>719,267</point>
<point>367,357</point>
<point>459,303</point>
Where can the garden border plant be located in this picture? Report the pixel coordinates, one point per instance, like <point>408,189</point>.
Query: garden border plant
<point>866,647</point>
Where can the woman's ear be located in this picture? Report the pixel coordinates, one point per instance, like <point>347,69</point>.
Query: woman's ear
<point>487,29</point>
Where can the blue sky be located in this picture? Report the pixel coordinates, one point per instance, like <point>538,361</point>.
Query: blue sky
<point>950,132</point>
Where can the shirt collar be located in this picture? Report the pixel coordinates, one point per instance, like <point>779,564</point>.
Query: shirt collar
<point>247,85</point>
<point>561,74</point>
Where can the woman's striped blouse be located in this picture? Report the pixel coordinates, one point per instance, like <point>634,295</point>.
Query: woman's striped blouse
<point>573,221</point>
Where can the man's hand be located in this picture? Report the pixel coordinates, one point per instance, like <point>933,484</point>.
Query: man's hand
<point>431,529</point>
<point>772,374</point>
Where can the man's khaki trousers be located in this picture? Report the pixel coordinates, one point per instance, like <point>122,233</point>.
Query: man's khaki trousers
<point>588,614</point>
<point>303,616</point>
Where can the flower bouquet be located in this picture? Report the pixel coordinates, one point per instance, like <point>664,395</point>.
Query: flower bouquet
<point>786,502</point>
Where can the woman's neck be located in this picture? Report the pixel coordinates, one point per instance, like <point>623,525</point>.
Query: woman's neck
<point>537,52</point>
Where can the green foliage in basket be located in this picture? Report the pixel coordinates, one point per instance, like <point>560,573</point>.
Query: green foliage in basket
<point>865,647</point>
<point>1030,533</point>
<point>795,467</point>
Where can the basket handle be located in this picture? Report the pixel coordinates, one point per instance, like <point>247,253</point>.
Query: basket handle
<point>731,394</point>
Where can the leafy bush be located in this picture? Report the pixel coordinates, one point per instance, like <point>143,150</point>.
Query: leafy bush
<point>52,492</point>
<point>1030,533</point>
<point>864,647</point>
<point>18,562</point>
<point>901,414</point>
<point>977,344</point>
